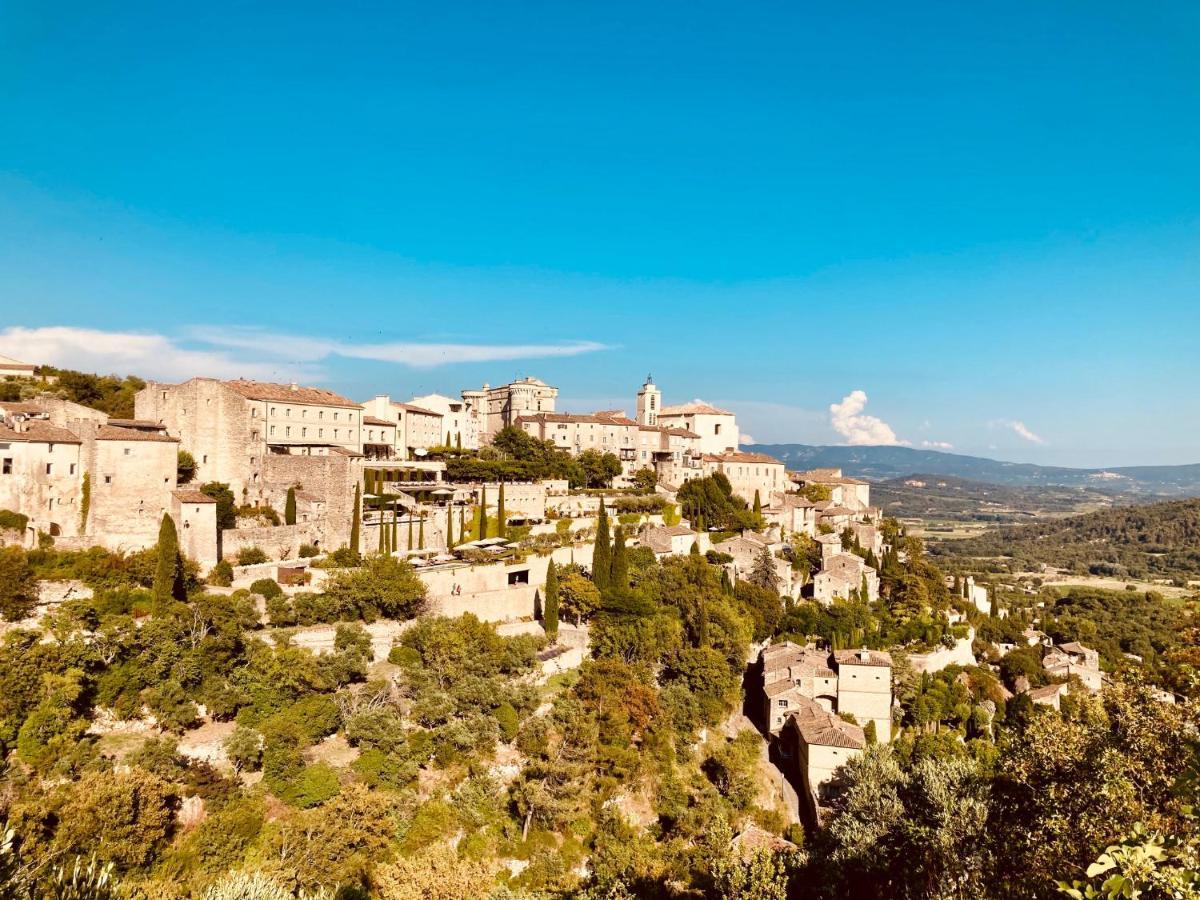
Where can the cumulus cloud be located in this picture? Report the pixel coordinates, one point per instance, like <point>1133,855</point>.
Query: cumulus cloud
<point>937,445</point>
<point>1020,429</point>
<point>746,439</point>
<point>848,420</point>
<point>129,352</point>
<point>417,355</point>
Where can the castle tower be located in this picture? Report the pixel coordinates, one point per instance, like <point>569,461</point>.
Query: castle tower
<point>649,402</point>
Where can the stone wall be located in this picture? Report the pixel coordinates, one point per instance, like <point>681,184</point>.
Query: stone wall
<point>277,541</point>
<point>331,477</point>
<point>959,655</point>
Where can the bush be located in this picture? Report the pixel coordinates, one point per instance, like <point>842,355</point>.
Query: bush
<point>251,556</point>
<point>308,551</point>
<point>14,521</point>
<point>244,749</point>
<point>221,574</point>
<point>266,587</point>
<point>317,783</point>
<point>280,611</point>
<point>506,717</point>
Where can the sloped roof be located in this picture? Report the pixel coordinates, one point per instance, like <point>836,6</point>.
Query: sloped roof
<point>742,457</point>
<point>693,409</point>
<point>577,418</point>
<point>863,657</point>
<point>185,495</point>
<point>23,407</point>
<point>38,432</point>
<point>372,420</point>
<point>265,390</point>
<point>823,729</point>
<point>9,363</point>
<point>114,433</point>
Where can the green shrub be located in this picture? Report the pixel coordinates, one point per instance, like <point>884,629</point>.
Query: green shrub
<point>308,551</point>
<point>244,749</point>
<point>266,587</point>
<point>506,717</point>
<point>221,574</point>
<point>251,556</point>
<point>317,783</point>
<point>13,520</point>
<point>280,611</point>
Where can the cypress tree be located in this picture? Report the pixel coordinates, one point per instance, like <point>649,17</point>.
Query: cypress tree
<point>395,515</point>
<point>619,579</point>
<point>757,503</point>
<point>449,527</point>
<point>726,584</point>
<point>356,522</point>
<point>550,607</point>
<point>602,556</point>
<point>695,549</point>
<point>458,440</point>
<point>482,513</point>
<point>168,581</point>
<point>501,518</point>
<point>462,523</point>
<point>421,533</point>
<point>410,534</point>
<point>382,534</point>
<point>289,507</point>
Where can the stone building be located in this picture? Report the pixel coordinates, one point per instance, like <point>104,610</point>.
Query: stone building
<point>748,473</point>
<point>672,540</point>
<point>14,368</point>
<point>841,575</point>
<point>501,406</point>
<point>416,428</point>
<point>607,432</point>
<point>672,453</point>
<point>460,419</point>
<point>717,428</point>
<point>854,682</point>
<point>232,427</point>
<point>814,744</point>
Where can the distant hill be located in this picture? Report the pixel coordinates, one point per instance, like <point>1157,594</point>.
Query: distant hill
<point>928,496</point>
<point>883,463</point>
<point>1159,540</point>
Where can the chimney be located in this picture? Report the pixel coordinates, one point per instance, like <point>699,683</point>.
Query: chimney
<point>293,386</point>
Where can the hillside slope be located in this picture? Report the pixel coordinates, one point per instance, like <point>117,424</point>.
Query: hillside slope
<point>882,463</point>
<point>1161,540</point>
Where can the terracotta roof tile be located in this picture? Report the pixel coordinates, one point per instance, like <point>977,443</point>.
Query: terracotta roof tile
<point>184,495</point>
<point>113,433</point>
<point>693,409</point>
<point>37,432</point>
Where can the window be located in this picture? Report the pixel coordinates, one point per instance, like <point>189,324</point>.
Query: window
<point>164,393</point>
<point>7,465</point>
<point>108,479</point>
<point>272,430</point>
<point>287,432</point>
<point>72,472</point>
<point>254,412</point>
<point>254,435</point>
<point>320,414</point>
<point>782,704</point>
<point>304,432</point>
<point>204,459</point>
<point>288,412</point>
<point>320,432</point>
<point>519,577</point>
<point>128,451</point>
<point>49,468</point>
<point>274,410</point>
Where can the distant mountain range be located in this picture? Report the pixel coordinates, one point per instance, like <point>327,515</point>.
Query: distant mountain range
<point>885,463</point>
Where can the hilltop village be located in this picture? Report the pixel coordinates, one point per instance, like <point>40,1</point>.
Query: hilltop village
<point>777,613</point>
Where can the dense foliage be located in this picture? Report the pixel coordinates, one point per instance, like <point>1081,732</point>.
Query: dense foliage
<point>1161,540</point>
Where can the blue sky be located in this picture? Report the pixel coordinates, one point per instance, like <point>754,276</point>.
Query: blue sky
<point>984,217</point>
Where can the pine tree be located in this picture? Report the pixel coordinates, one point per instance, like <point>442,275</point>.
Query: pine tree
<point>356,522</point>
<point>501,517</point>
<point>482,514</point>
<point>289,507</point>
<point>550,607</point>
<point>763,574</point>
<point>602,556</point>
<point>619,579</point>
<point>168,574</point>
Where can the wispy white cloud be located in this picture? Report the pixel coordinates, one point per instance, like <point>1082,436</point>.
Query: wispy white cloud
<point>937,445</point>
<point>138,353</point>
<point>417,355</point>
<point>847,419</point>
<point>1019,428</point>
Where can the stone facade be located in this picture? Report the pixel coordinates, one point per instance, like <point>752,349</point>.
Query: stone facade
<point>460,419</point>
<point>501,406</point>
<point>748,473</point>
